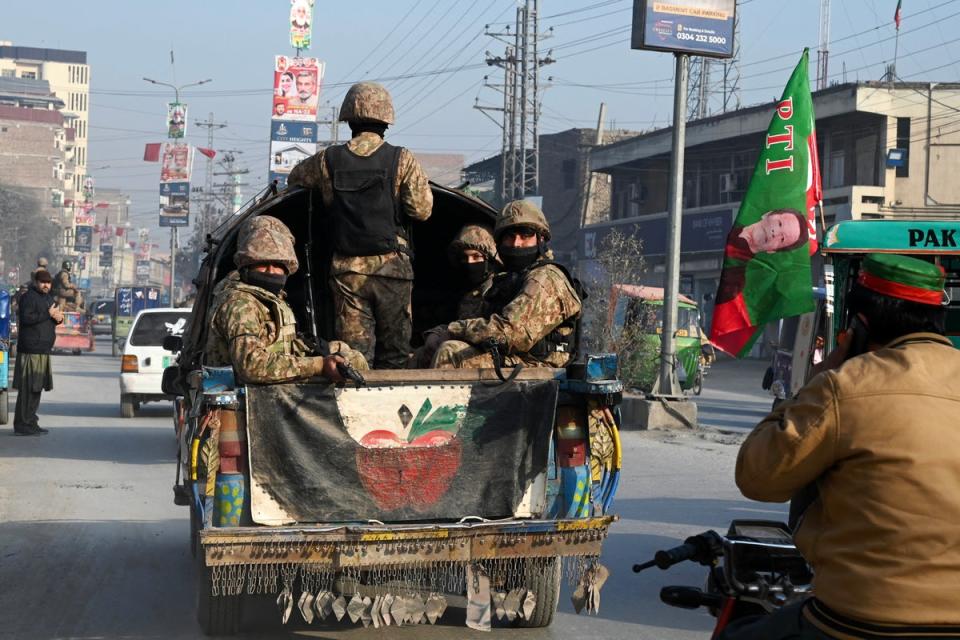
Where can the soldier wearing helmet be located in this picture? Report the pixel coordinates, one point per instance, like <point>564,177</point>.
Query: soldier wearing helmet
<point>532,309</point>
<point>42,264</point>
<point>65,291</point>
<point>474,254</point>
<point>252,328</point>
<point>372,191</point>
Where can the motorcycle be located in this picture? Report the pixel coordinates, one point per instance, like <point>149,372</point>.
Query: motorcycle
<point>753,570</point>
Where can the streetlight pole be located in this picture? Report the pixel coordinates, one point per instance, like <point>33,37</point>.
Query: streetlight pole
<point>174,229</point>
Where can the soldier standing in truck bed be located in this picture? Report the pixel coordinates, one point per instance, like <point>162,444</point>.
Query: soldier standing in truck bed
<point>371,190</point>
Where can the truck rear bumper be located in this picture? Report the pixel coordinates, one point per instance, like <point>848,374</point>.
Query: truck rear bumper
<point>374,545</point>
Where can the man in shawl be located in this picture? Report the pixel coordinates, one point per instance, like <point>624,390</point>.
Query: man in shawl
<point>38,316</point>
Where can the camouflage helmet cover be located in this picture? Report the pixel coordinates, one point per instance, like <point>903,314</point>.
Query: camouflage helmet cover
<point>473,236</point>
<point>522,213</point>
<point>42,262</point>
<point>266,240</point>
<point>367,102</point>
<point>65,265</point>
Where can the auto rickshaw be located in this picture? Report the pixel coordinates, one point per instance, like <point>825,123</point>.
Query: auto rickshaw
<point>846,243</point>
<point>640,308</point>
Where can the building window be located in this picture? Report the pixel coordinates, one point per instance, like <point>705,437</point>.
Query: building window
<point>9,73</point>
<point>569,174</point>
<point>32,75</point>
<point>903,142</point>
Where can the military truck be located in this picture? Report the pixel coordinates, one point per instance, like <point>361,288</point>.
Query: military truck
<point>385,502</point>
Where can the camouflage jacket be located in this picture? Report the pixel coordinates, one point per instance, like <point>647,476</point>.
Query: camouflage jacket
<point>62,283</point>
<point>412,188</point>
<point>255,332</point>
<point>545,300</point>
<point>472,304</point>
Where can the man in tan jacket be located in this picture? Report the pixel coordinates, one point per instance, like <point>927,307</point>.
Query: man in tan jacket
<point>878,436</point>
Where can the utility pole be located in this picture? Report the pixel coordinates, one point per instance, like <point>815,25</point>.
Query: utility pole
<point>702,87</point>
<point>232,198</point>
<point>207,210</point>
<point>823,53</point>
<point>521,62</point>
<point>731,71</point>
<point>173,230</point>
<point>597,141</point>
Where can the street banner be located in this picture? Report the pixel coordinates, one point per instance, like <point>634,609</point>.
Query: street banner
<point>174,204</point>
<point>301,23</point>
<point>176,120</point>
<point>83,239</point>
<point>177,162</point>
<point>88,189</point>
<point>766,267</point>
<point>698,27</point>
<point>143,251</point>
<point>296,88</point>
<point>143,269</point>
<point>290,143</point>
<point>84,218</point>
<point>106,255</point>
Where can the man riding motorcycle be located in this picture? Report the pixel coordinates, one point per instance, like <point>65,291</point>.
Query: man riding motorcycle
<point>875,432</point>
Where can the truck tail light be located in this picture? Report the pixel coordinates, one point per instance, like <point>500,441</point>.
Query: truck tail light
<point>571,437</point>
<point>129,364</point>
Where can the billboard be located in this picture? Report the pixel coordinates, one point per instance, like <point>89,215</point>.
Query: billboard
<point>174,204</point>
<point>296,88</point>
<point>106,255</point>
<point>176,120</point>
<point>83,239</point>
<point>697,27</point>
<point>290,143</point>
<point>176,162</point>
<point>301,23</point>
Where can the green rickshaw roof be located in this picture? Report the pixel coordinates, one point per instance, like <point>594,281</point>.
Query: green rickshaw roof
<point>893,236</point>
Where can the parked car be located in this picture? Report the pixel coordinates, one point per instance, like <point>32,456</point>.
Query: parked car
<point>101,316</point>
<point>144,358</point>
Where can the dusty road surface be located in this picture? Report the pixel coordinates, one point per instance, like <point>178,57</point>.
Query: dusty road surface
<point>92,546</point>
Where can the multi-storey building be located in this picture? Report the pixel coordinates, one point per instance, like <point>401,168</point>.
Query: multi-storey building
<point>68,75</point>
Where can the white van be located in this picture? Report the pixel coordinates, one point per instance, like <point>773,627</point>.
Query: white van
<point>144,358</point>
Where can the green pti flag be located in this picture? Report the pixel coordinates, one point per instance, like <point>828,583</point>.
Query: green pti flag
<point>766,266</point>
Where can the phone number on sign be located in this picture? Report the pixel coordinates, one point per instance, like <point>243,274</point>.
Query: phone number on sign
<point>694,37</point>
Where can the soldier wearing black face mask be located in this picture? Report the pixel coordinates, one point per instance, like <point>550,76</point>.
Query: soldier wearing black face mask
<point>532,310</point>
<point>474,253</point>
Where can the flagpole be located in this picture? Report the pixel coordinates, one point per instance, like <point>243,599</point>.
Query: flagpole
<point>668,373</point>
<point>896,48</point>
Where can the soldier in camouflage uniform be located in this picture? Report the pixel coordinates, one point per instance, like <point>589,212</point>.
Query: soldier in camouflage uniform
<point>534,307</point>
<point>371,190</point>
<point>42,264</point>
<point>67,294</point>
<point>474,253</point>
<point>251,327</point>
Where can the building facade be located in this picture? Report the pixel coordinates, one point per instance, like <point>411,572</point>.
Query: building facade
<point>860,128</point>
<point>68,75</point>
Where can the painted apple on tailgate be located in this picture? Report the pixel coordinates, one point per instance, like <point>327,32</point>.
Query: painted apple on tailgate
<point>412,470</point>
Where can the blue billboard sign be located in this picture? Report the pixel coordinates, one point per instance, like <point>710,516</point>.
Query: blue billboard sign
<point>697,27</point>
<point>290,143</point>
<point>704,231</point>
<point>174,204</point>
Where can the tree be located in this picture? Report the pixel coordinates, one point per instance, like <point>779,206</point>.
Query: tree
<point>619,260</point>
<point>27,233</point>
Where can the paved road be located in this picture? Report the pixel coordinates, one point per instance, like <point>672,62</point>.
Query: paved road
<point>91,545</point>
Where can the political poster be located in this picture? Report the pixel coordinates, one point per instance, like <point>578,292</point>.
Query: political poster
<point>106,255</point>
<point>301,23</point>
<point>143,269</point>
<point>290,144</point>
<point>296,88</point>
<point>83,238</point>
<point>176,162</point>
<point>174,204</point>
<point>698,27</point>
<point>176,120</point>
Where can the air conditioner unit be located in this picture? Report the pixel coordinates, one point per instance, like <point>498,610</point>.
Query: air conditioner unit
<point>728,182</point>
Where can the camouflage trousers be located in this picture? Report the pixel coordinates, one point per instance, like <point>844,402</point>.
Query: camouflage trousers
<point>373,316</point>
<point>455,354</point>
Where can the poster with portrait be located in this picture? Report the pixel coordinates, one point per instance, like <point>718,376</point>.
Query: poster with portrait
<point>83,239</point>
<point>296,88</point>
<point>176,162</point>
<point>301,23</point>
<point>174,204</point>
<point>176,120</point>
<point>290,143</point>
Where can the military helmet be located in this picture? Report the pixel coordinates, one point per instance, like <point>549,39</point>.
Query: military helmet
<point>522,213</point>
<point>473,236</point>
<point>65,265</point>
<point>42,262</point>
<point>367,102</point>
<point>263,240</point>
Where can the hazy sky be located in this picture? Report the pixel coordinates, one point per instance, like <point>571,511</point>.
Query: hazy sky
<point>233,42</point>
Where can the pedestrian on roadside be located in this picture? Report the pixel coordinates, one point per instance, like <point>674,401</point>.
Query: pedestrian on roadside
<point>38,315</point>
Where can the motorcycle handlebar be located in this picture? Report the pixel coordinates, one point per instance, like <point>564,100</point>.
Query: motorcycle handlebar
<point>703,548</point>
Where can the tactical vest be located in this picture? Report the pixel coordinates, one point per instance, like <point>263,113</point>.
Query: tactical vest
<point>365,212</point>
<point>565,338</point>
<point>281,313</point>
